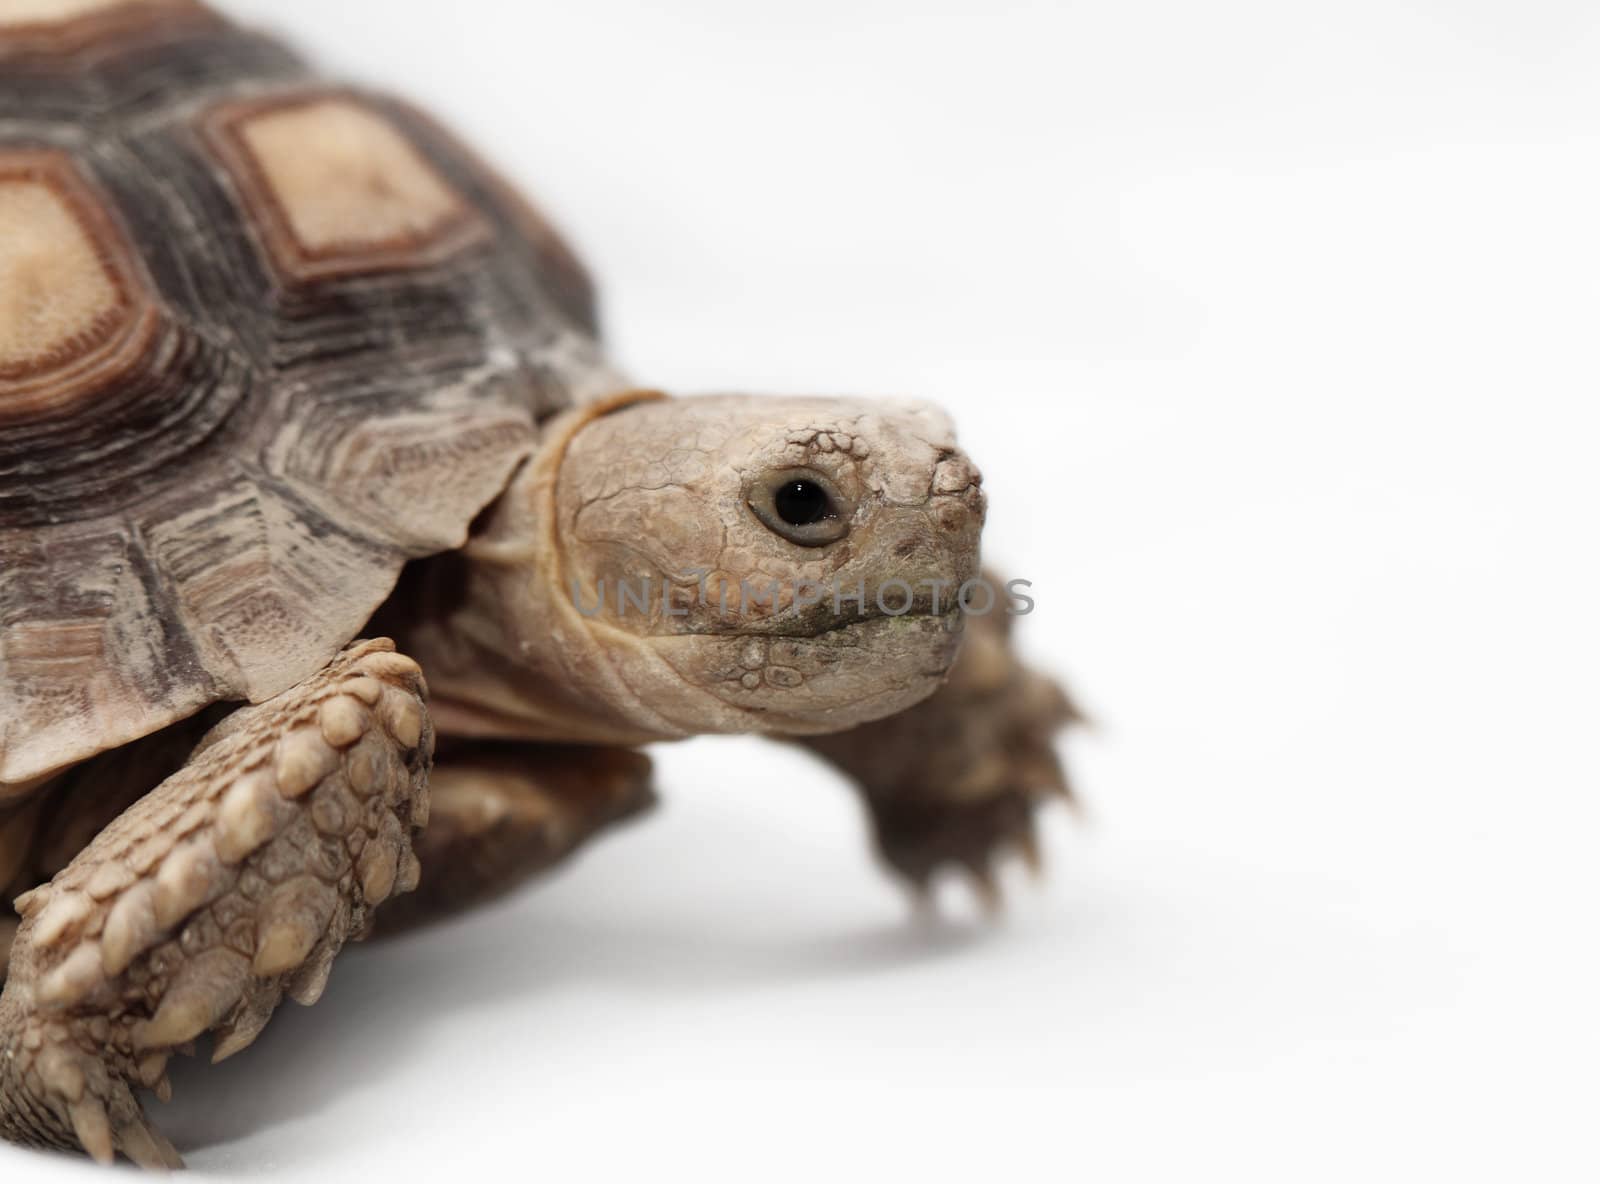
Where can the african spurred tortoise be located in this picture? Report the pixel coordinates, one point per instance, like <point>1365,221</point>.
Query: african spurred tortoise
<point>284,365</point>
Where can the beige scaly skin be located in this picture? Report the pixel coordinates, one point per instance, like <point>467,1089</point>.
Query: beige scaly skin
<point>675,495</point>
<point>233,883</point>
<point>674,501</point>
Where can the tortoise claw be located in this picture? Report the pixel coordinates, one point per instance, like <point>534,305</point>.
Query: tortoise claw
<point>92,1125</point>
<point>980,874</point>
<point>148,1147</point>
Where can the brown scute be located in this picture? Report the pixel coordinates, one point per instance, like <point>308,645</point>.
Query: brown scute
<point>336,189</point>
<point>210,486</point>
<point>78,670</point>
<point>67,29</point>
<point>557,265</point>
<point>56,298</point>
<point>25,14</point>
<point>75,316</point>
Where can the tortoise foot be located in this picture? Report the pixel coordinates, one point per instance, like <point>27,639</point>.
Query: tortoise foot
<point>232,884</point>
<point>957,781</point>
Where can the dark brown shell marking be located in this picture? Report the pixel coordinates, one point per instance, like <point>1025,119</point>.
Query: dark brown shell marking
<point>63,30</point>
<point>263,401</point>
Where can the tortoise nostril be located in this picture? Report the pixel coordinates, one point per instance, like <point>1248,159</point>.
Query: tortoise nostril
<point>906,548</point>
<point>976,501</point>
<point>955,473</point>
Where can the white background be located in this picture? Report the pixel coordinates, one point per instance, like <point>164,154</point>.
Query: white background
<point>1272,326</point>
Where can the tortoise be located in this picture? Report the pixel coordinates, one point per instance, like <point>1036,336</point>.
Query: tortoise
<point>338,564</point>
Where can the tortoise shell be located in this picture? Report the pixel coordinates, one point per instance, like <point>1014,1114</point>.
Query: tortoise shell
<point>262,340</point>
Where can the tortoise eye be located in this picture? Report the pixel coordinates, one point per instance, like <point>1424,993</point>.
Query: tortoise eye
<point>801,505</point>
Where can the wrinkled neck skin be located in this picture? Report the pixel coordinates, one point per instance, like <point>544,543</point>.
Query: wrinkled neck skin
<point>684,496</point>
<point>507,653</point>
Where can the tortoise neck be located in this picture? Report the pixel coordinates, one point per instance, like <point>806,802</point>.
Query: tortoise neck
<point>506,654</point>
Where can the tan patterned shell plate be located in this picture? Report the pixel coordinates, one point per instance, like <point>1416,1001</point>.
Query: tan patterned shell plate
<point>262,340</point>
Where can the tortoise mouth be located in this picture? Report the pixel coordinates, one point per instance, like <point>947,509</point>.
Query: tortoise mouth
<point>820,619</point>
<point>850,672</point>
<point>908,625</point>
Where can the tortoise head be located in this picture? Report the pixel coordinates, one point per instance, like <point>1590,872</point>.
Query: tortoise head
<point>782,565</point>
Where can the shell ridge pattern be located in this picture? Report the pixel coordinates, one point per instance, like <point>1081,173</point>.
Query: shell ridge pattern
<point>278,361</point>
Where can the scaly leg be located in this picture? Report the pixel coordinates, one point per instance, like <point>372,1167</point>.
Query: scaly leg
<point>504,812</point>
<point>957,779</point>
<point>234,882</point>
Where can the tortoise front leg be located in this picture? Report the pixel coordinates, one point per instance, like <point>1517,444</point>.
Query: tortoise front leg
<point>957,779</point>
<point>234,882</point>
<point>503,812</point>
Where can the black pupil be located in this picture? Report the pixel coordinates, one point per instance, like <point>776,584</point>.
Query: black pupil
<point>800,503</point>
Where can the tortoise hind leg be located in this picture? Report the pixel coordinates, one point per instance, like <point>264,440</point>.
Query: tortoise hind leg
<point>504,812</point>
<point>234,882</point>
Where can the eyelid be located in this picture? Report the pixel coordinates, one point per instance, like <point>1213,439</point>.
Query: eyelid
<point>758,495</point>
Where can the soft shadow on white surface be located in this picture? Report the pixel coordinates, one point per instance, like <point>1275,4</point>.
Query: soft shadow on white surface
<point>389,997</point>
<point>651,941</point>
